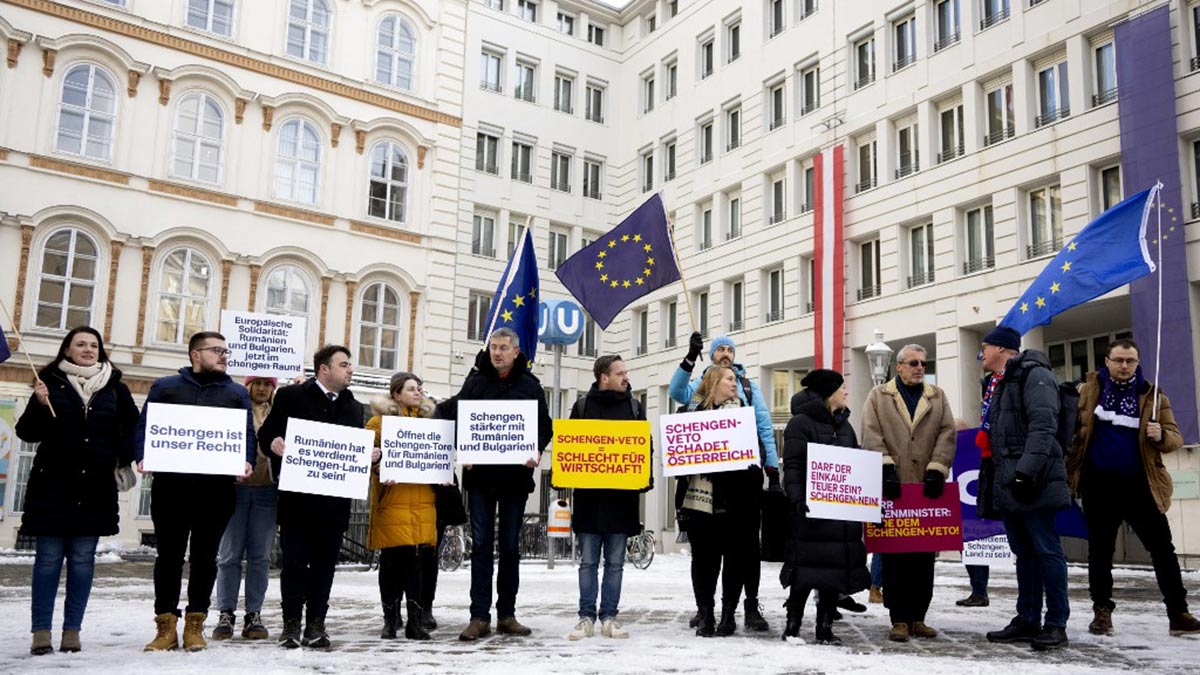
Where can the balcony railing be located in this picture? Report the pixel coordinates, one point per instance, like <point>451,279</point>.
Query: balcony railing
<point>908,166</point>
<point>778,217</point>
<point>776,30</point>
<point>647,186</point>
<point>565,108</point>
<point>584,350</point>
<point>864,79</point>
<point>669,343</point>
<point>733,234</point>
<point>486,251</point>
<point>1043,248</point>
<point>523,177</point>
<point>1195,210</point>
<point>973,265</point>
<point>903,62</point>
<point>735,326</point>
<point>775,316</point>
<point>595,117</point>
<point>592,193</point>
<point>706,158</point>
<point>868,292</point>
<point>805,208</point>
<point>999,135</point>
<point>805,13</point>
<point>950,153</point>
<point>733,144</point>
<point>524,95</point>
<point>947,41</point>
<point>993,19</point>
<point>490,86</point>
<point>1051,116</point>
<point>1195,63</point>
<point>920,279</point>
<point>808,307</point>
<point>485,167</point>
<point>809,107</point>
<point>777,122</point>
<point>865,185</point>
<point>705,244</point>
<point>1104,97</point>
<point>640,350</point>
<point>561,186</point>
<point>670,175</point>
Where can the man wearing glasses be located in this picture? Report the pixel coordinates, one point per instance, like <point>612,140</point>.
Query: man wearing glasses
<point>910,422</point>
<point>1117,468</point>
<point>191,506</point>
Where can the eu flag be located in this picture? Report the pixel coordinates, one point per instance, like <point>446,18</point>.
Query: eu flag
<point>1109,252</point>
<point>515,304</point>
<point>631,260</point>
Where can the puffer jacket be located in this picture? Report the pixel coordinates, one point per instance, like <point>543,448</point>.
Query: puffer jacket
<point>404,514</point>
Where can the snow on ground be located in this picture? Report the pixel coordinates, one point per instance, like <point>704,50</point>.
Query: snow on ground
<point>656,604</point>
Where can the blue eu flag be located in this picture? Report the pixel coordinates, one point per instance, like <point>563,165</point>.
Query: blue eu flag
<point>631,260</point>
<point>515,304</point>
<point>1107,253</point>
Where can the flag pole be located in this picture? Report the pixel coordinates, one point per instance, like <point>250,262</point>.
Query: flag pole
<point>674,254</point>
<point>1158,336</point>
<point>21,343</point>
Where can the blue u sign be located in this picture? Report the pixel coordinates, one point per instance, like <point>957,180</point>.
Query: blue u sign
<point>560,322</point>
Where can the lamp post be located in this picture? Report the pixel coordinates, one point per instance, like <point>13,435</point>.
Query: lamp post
<point>879,356</point>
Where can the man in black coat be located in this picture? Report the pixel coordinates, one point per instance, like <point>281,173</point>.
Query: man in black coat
<point>501,372</point>
<point>310,526</point>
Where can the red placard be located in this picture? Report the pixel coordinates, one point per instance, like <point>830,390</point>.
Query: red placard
<point>916,524</point>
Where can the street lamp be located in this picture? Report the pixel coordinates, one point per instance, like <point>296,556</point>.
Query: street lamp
<point>879,355</point>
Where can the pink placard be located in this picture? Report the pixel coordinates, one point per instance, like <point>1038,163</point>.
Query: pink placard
<point>916,524</point>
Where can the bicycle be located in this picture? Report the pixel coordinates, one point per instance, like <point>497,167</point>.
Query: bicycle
<point>639,551</point>
<point>455,548</point>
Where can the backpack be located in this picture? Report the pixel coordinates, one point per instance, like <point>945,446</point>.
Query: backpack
<point>1068,412</point>
<point>578,409</point>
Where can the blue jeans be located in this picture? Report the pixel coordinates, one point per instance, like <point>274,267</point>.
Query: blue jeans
<point>1041,567</point>
<point>979,575</point>
<point>80,554</point>
<point>589,561</point>
<point>250,532</point>
<point>877,570</point>
<point>484,509</point>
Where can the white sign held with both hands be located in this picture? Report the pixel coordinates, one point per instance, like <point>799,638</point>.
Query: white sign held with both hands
<point>497,432</point>
<point>416,450</point>
<point>708,441</point>
<point>326,459</point>
<point>267,345</point>
<point>844,483</point>
<point>195,439</point>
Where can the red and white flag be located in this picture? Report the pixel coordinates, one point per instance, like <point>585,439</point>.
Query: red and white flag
<point>829,277</point>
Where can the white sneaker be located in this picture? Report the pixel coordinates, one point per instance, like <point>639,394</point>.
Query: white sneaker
<point>609,628</point>
<point>586,628</point>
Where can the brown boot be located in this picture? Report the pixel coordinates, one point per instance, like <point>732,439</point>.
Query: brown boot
<point>1102,624</point>
<point>42,643</point>
<point>919,629</point>
<point>875,597</point>
<point>478,628</point>
<point>898,633</point>
<point>70,642</point>
<point>193,631</point>
<point>167,637</point>
<point>1184,624</point>
<point>510,626</point>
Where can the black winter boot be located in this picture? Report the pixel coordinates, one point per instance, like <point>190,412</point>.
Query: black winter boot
<point>390,613</point>
<point>824,632</point>
<point>695,620</point>
<point>706,626</point>
<point>795,617</point>
<point>415,629</point>
<point>290,637</point>
<point>728,623</point>
<point>754,619</point>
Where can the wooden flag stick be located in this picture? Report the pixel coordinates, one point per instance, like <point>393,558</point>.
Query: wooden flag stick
<point>674,254</point>
<point>21,343</point>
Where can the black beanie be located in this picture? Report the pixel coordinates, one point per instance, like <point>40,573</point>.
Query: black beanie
<point>823,381</point>
<point>1004,336</point>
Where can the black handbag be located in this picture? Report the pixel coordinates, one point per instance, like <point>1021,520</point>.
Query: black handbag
<point>775,510</point>
<point>449,504</point>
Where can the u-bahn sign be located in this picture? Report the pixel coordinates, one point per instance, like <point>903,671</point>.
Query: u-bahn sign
<point>560,322</point>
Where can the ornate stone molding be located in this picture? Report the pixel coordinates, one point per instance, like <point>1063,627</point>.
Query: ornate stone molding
<point>134,78</point>
<point>115,251</point>
<point>22,273</point>
<point>192,192</point>
<point>40,162</point>
<point>335,133</point>
<point>255,270</point>
<point>414,298</point>
<point>226,269</point>
<point>147,258</point>
<point>386,233</point>
<point>268,114</point>
<point>421,150</point>
<point>297,214</point>
<point>360,140</point>
<point>14,51</point>
<point>164,92</point>
<point>351,287</point>
<point>11,372</point>
<point>48,61</point>
<point>324,309</point>
<point>239,110</point>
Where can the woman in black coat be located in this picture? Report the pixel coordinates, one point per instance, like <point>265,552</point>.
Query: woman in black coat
<point>823,555</point>
<point>71,497</point>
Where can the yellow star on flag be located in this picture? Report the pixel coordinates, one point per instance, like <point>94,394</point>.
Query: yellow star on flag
<point>625,284</point>
<point>646,248</point>
<point>650,261</point>
<point>602,254</point>
<point>1066,267</point>
<point>639,281</point>
<point>612,243</point>
<point>624,237</point>
<point>614,283</point>
<point>646,271</point>
<point>599,265</point>
<point>1041,302</point>
<point>506,315</point>
<point>1071,246</point>
<point>533,293</point>
<point>519,300</point>
<point>1024,307</point>
<point>1054,287</point>
<point>637,237</point>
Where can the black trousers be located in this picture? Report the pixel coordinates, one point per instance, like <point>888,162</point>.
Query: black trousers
<point>310,554</point>
<point>908,585</point>
<point>187,508</point>
<point>1109,500</point>
<point>726,546</point>
<point>401,572</point>
<point>798,598</point>
<point>429,571</point>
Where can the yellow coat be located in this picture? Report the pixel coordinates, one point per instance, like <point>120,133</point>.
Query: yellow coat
<point>404,514</point>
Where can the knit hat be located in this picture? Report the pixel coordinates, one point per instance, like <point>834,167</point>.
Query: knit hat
<point>719,341</point>
<point>823,381</point>
<point>1005,337</point>
<point>274,382</point>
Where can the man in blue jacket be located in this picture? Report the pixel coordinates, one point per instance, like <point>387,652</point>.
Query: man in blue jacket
<point>191,506</point>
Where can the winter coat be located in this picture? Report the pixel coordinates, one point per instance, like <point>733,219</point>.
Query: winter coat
<point>307,402</point>
<point>404,514</point>
<point>607,511</point>
<point>924,442</point>
<point>185,389</point>
<point>737,494</point>
<point>71,490</point>
<point>820,554</point>
<point>681,391</point>
<point>1161,485</point>
<point>484,383</point>
<point>262,465</point>
<point>1024,425</point>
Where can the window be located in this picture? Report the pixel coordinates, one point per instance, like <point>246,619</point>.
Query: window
<point>198,138</point>
<point>298,164</point>
<point>733,126</point>
<point>733,41</point>
<point>737,319</point>
<point>775,19</point>
<point>671,77</point>
<point>184,283</point>
<point>807,8</point>
<point>670,323</point>
<point>1073,359</point>
<point>651,23</point>
<point>516,232</point>
<point>486,148</point>
<point>287,291</point>
<point>596,35</point>
<point>494,4</point>
<point>1053,102</point>
<point>1045,221</point>
<point>868,268</point>
<point>864,62</point>
<point>379,327</point>
<point>674,8</point>
<point>706,228</point>
<point>144,492</point>
<point>920,255</point>
<point>560,171</point>
<point>522,162</point>
<point>527,9</point>
<point>557,254</point>
<point>735,219</point>
<point>702,313</point>
<point>25,452</point>
<point>980,253</point>
<point>669,160</point>
<point>994,11</point>
<point>775,295</point>
<point>566,24</point>
<point>591,179</point>
<point>905,35</point>
<point>564,94</point>
<point>810,90</point>
<point>87,113</point>
<point>595,103</point>
<point>489,71</point>
<point>775,99</point>
<point>395,52</point>
<point>308,30</point>
<point>706,142</point>
<point>1000,123</point>
<point>866,167</point>
<point>483,235</point>
<point>67,285</point>
<point>947,18</point>
<point>647,93</point>
<point>951,139</point>
<point>706,57</point>
<point>525,81</point>
<point>477,315</point>
<point>389,182</point>
<point>641,323</point>
<point>810,186</point>
<point>1106,73</point>
<point>908,162</point>
<point>214,16</point>
<point>1110,187</point>
<point>778,200</point>
<point>647,171</point>
<point>588,344</point>
<point>808,288</point>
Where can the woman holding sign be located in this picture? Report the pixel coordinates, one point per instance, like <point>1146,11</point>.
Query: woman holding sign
<point>83,457</point>
<point>827,556</point>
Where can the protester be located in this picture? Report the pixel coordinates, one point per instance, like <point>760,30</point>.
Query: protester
<point>826,556</point>
<point>1126,425</point>
<point>910,422</point>
<point>603,520</point>
<point>403,519</point>
<point>501,372</point>
<point>83,455</point>
<point>250,533</point>
<point>721,353</point>
<point>720,514</point>
<point>1019,422</point>
<point>191,510</point>
<point>310,526</point>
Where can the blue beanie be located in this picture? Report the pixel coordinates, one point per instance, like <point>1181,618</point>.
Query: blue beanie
<point>719,341</point>
<point>1004,336</point>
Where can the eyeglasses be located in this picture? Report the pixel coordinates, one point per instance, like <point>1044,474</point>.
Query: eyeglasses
<point>219,351</point>
<point>1123,362</point>
<point>913,363</point>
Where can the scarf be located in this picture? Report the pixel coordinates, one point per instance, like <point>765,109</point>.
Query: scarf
<point>86,380</point>
<point>1119,400</point>
<point>983,438</point>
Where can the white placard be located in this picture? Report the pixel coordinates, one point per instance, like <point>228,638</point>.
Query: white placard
<point>417,450</point>
<point>844,483</point>
<point>326,459</point>
<point>990,551</point>
<point>708,441</point>
<point>497,432</point>
<point>195,439</point>
<point>268,345</point>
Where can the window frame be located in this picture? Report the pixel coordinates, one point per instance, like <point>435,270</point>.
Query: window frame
<point>560,171</point>
<point>1039,245</point>
<point>985,235</point>
<point>67,280</point>
<point>525,81</point>
<point>395,55</point>
<point>88,113</point>
<point>182,332</point>
<point>195,137</point>
<point>864,46</point>
<point>309,27</point>
<point>390,184</point>
<point>921,259</point>
<point>522,158</point>
<point>485,140</point>
<point>376,361</point>
<point>483,234</point>
<point>304,278</point>
<point>487,59</point>
<point>298,162</point>
<point>210,14</point>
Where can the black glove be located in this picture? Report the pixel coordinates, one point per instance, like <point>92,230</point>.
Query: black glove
<point>935,483</point>
<point>695,346</point>
<point>891,482</point>
<point>773,479</point>
<point>1025,489</point>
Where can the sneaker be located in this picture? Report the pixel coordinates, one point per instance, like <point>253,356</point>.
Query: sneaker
<point>973,600</point>
<point>875,596</point>
<point>315,636</point>
<point>610,628</point>
<point>1017,630</point>
<point>224,628</point>
<point>290,637</point>
<point>1184,624</point>
<point>510,626</point>
<point>584,629</point>
<point>253,628</point>
<point>919,629</point>
<point>478,628</point>
<point>1102,623</point>
<point>898,633</point>
<point>1051,637</point>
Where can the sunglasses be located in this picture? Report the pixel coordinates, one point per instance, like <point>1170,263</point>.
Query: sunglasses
<point>913,363</point>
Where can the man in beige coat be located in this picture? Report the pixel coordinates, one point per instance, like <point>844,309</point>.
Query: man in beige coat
<point>910,422</point>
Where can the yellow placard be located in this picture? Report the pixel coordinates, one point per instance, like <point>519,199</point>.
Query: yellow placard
<point>601,454</point>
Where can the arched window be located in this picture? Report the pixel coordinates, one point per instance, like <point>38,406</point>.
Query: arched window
<point>183,287</point>
<point>67,286</point>
<point>298,164</point>
<point>87,113</point>
<point>287,291</point>
<point>379,327</point>
<point>308,30</point>
<point>395,49</point>
<point>199,134</point>
<point>389,182</point>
